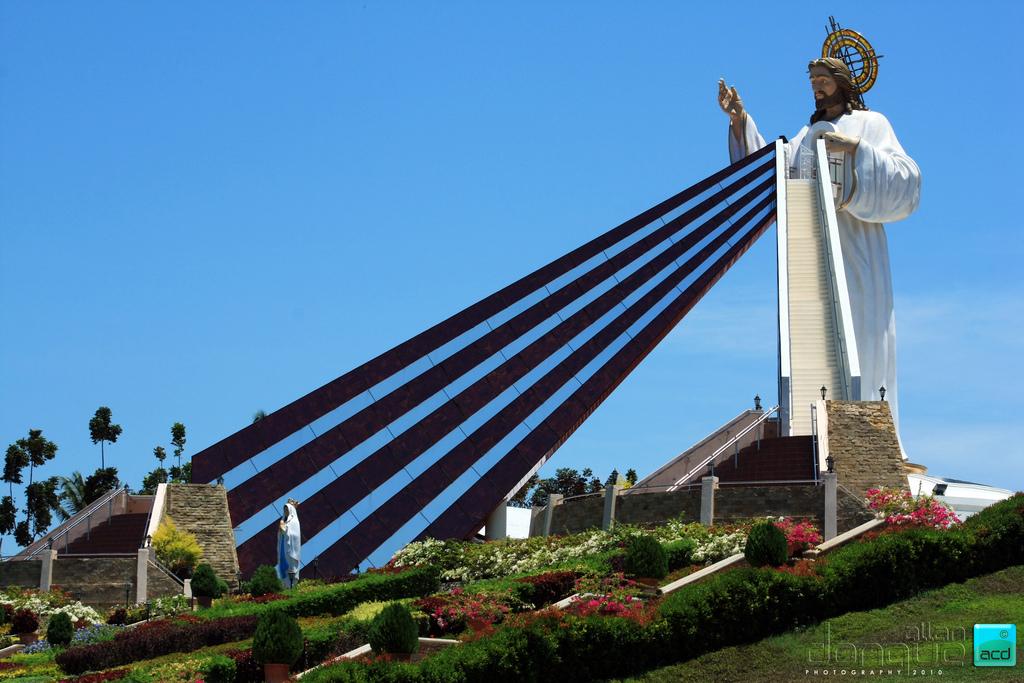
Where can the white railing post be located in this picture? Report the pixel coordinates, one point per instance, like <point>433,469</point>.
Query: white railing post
<point>142,576</point>
<point>610,494</point>
<point>707,500</point>
<point>782,247</point>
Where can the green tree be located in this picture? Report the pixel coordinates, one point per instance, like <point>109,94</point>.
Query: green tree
<point>613,478</point>
<point>72,493</point>
<point>34,450</point>
<point>102,430</point>
<point>8,518</point>
<point>15,461</point>
<point>157,476</point>
<point>41,499</point>
<point>179,473</point>
<point>631,476</point>
<point>258,415</point>
<point>519,499</point>
<point>178,440</point>
<point>100,482</point>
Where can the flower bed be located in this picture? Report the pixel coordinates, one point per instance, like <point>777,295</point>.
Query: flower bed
<point>900,508</point>
<point>467,562</point>
<point>154,639</point>
<point>739,606</point>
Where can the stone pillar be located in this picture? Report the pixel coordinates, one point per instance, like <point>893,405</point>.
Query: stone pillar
<point>707,500</point>
<point>46,569</point>
<point>554,500</point>
<point>831,506</point>
<point>610,494</point>
<point>142,576</point>
<point>186,590</point>
<point>497,523</point>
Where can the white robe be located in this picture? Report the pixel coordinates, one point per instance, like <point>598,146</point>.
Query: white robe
<point>289,547</point>
<point>886,187</point>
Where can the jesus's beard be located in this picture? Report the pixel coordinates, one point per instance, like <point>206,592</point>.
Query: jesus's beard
<point>830,100</point>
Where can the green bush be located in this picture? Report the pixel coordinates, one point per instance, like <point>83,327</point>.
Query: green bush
<point>59,630</point>
<point>219,669</point>
<point>680,553</point>
<point>896,566</point>
<point>766,545</point>
<point>645,557</point>
<point>739,606</point>
<point>176,548</point>
<point>264,580</point>
<point>997,532</point>
<point>394,630</point>
<point>278,639</point>
<point>205,583</point>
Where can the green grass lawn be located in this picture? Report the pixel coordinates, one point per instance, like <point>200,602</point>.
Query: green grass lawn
<point>911,639</point>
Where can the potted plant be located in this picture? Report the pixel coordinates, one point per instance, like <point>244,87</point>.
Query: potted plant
<point>205,585</point>
<point>646,560</point>
<point>394,632</point>
<point>24,624</point>
<point>277,644</point>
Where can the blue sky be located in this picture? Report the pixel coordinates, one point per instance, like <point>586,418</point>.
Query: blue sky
<point>208,210</point>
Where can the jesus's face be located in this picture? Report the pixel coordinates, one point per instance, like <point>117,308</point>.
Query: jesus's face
<point>823,85</point>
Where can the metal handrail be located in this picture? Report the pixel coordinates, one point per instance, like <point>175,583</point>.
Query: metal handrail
<point>83,516</point>
<point>162,567</point>
<point>724,447</point>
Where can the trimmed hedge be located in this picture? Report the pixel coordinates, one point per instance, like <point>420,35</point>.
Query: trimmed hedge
<point>766,545</point>
<point>337,599</point>
<point>680,553</point>
<point>166,636</point>
<point>645,557</point>
<point>155,639</point>
<point>278,639</point>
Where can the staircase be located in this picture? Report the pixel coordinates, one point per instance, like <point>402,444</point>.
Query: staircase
<point>121,534</point>
<point>773,459</point>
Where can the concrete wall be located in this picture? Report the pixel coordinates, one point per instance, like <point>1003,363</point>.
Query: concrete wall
<point>96,580</point>
<point>23,573</point>
<point>862,441</point>
<point>732,503</point>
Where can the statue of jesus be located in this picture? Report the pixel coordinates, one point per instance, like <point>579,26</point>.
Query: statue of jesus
<point>886,187</point>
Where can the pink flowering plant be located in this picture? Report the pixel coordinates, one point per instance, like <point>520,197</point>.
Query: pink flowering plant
<point>613,595</point>
<point>455,610</point>
<point>898,507</point>
<point>800,535</point>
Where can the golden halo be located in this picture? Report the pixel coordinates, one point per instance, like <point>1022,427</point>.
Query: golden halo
<point>855,50</point>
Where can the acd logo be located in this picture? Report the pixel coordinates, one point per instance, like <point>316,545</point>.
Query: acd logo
<point>995,645</point>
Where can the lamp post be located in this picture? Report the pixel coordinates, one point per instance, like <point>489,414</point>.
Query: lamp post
<point>881,390</point>
<point>757,402</point>
<point>830,462</point>
<point>823,392</point>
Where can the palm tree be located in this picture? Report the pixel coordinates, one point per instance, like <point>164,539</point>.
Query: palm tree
<point>72,491</point>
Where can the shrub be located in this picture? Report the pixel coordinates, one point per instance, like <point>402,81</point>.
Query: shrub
<point>205,582</point>
<point>278,639</point>
<point>742,605</point>
<point>118,617</point>
<point>6,613</point>
<point>264,581</point>
<point>799,535</point>
<point>766,545</point>
<point>645,557</point>
<point>24,621</point>
<point>544,589</point>
<point>59,630</point>
<point>177,549</point>
<point>680,553</point>
<point>394,630</point>
<point>998,531</point>
<point>219,669</point>
<point>901,508</point>
<point>895,566</point>
<point>155,639</point>
<point>339,598</point>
